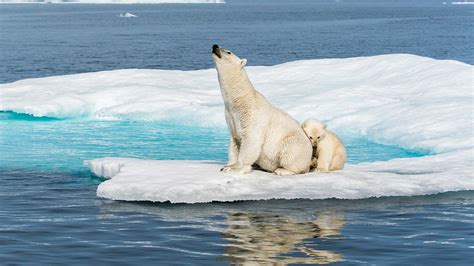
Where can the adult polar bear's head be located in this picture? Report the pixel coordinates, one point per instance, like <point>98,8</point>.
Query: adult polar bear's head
<point>226,60</point>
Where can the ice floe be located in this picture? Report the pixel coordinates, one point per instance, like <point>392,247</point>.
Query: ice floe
<point>201,181</point>
<point>403,100</point>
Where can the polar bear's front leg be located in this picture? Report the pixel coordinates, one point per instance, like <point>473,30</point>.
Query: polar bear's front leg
<point>250,148</point>
<point>233,154</point>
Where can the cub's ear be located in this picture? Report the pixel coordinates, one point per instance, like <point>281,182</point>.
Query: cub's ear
<point>243,62</point>
<point>325,126</point>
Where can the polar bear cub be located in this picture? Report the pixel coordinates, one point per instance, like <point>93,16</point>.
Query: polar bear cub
<point>329,153</point>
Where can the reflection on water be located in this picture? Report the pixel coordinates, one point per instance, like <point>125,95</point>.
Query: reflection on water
<point>279,232</point>
<point>265,238</point>
<point>246,233</point>
<point>40,213</point>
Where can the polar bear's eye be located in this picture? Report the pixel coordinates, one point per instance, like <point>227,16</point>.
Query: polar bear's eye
<point>228,52</point>
<point>319,137</point>
<point>310,137</point>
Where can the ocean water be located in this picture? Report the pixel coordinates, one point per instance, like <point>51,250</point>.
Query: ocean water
<point>49,211</point>
<point>46,40</point>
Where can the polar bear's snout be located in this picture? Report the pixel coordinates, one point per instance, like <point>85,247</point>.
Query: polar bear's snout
<point>216,50</point>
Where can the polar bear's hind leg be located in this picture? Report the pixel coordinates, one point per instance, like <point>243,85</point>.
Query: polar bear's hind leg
<point>295,156</point>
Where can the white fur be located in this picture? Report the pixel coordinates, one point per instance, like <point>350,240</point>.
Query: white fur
<point>260,133</point>
<point>329,153</point>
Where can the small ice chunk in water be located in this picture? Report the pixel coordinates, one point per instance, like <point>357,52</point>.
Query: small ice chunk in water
<point>128,15</point>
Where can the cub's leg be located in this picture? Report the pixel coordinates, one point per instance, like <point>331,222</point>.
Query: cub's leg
<point>324,161</point>
<point>314,163</point>
<point>338,162</point>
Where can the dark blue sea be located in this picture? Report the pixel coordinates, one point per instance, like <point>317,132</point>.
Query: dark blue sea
<point>49,211</point>
<point>46,40</point>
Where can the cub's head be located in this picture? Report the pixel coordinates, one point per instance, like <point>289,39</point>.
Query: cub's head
<point>226,60</point>
<point>315,130</point>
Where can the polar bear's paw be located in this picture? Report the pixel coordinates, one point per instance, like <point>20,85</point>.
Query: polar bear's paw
<point>320,170</point>
<point>283,171</point>
<point>235,169</point>
<point>226,169</point>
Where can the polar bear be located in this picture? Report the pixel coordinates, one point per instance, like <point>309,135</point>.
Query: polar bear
<point>329,153</point>
<point>260,133</point>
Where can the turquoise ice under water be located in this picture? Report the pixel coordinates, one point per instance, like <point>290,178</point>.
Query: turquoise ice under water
<point>50,212</point>
<point>51,143</point>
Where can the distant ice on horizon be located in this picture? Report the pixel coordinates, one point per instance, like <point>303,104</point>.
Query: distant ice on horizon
<point>112,1</point>
<point>462,3</point>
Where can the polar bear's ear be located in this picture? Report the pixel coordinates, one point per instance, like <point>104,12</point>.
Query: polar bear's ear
<point>243,62</point>
<point>325,126</point>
